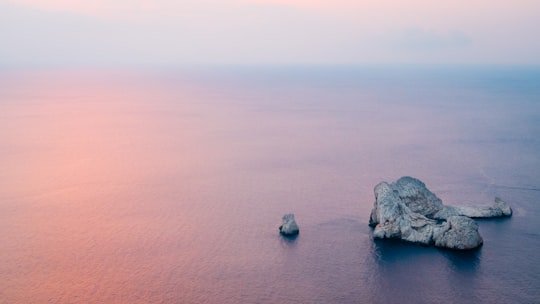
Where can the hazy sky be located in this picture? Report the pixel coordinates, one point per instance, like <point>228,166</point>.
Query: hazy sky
<point>147,32</point>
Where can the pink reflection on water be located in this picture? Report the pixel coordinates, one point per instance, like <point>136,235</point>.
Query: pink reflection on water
<point>81,152</point>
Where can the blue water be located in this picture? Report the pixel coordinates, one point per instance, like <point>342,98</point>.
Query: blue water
<point>168,186</point>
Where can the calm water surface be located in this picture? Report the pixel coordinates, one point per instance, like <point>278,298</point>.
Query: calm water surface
<point>169,186</point>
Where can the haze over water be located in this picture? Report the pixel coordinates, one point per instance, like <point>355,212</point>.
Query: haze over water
<point>168,186</point>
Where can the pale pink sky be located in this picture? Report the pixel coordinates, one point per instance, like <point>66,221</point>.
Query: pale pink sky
<point>269,31</point>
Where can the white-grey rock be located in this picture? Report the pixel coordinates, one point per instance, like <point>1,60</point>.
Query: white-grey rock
<point>499,209</point>
<point>416,196</point>
<point>289,226</point>
<point>392,218</point>
<point>458,232</point>
<point>505,208</point>
<point>407,210</point>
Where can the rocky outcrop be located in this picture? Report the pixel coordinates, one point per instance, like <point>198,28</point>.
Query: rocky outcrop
<point>407,210</point>
<point>499,209</point>
<point>289,226</point>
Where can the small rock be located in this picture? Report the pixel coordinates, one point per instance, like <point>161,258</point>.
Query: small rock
<point>289,226</point>
<point>503,206</point>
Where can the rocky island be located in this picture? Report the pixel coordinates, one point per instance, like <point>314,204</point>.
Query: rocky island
<point>407,210</point>
<point>289,226</point>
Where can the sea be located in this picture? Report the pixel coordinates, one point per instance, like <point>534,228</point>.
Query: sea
<point>168,185</point>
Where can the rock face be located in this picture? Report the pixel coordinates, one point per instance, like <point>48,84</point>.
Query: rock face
<point>407,210</point>
<point>458,232</point>
<point>289,226</point>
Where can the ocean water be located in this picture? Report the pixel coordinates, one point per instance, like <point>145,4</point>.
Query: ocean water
<point>168,186</point>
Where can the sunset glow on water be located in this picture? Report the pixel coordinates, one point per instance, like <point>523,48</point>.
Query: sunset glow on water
<point>168,186</point>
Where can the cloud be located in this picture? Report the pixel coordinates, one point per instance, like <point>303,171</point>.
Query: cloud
<point>415,39</point>
<point>267,31</point>
<point>204,34</point>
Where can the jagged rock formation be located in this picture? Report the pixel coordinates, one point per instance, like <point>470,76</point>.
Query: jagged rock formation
<point>289,226</point>
<point>407,210</point>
